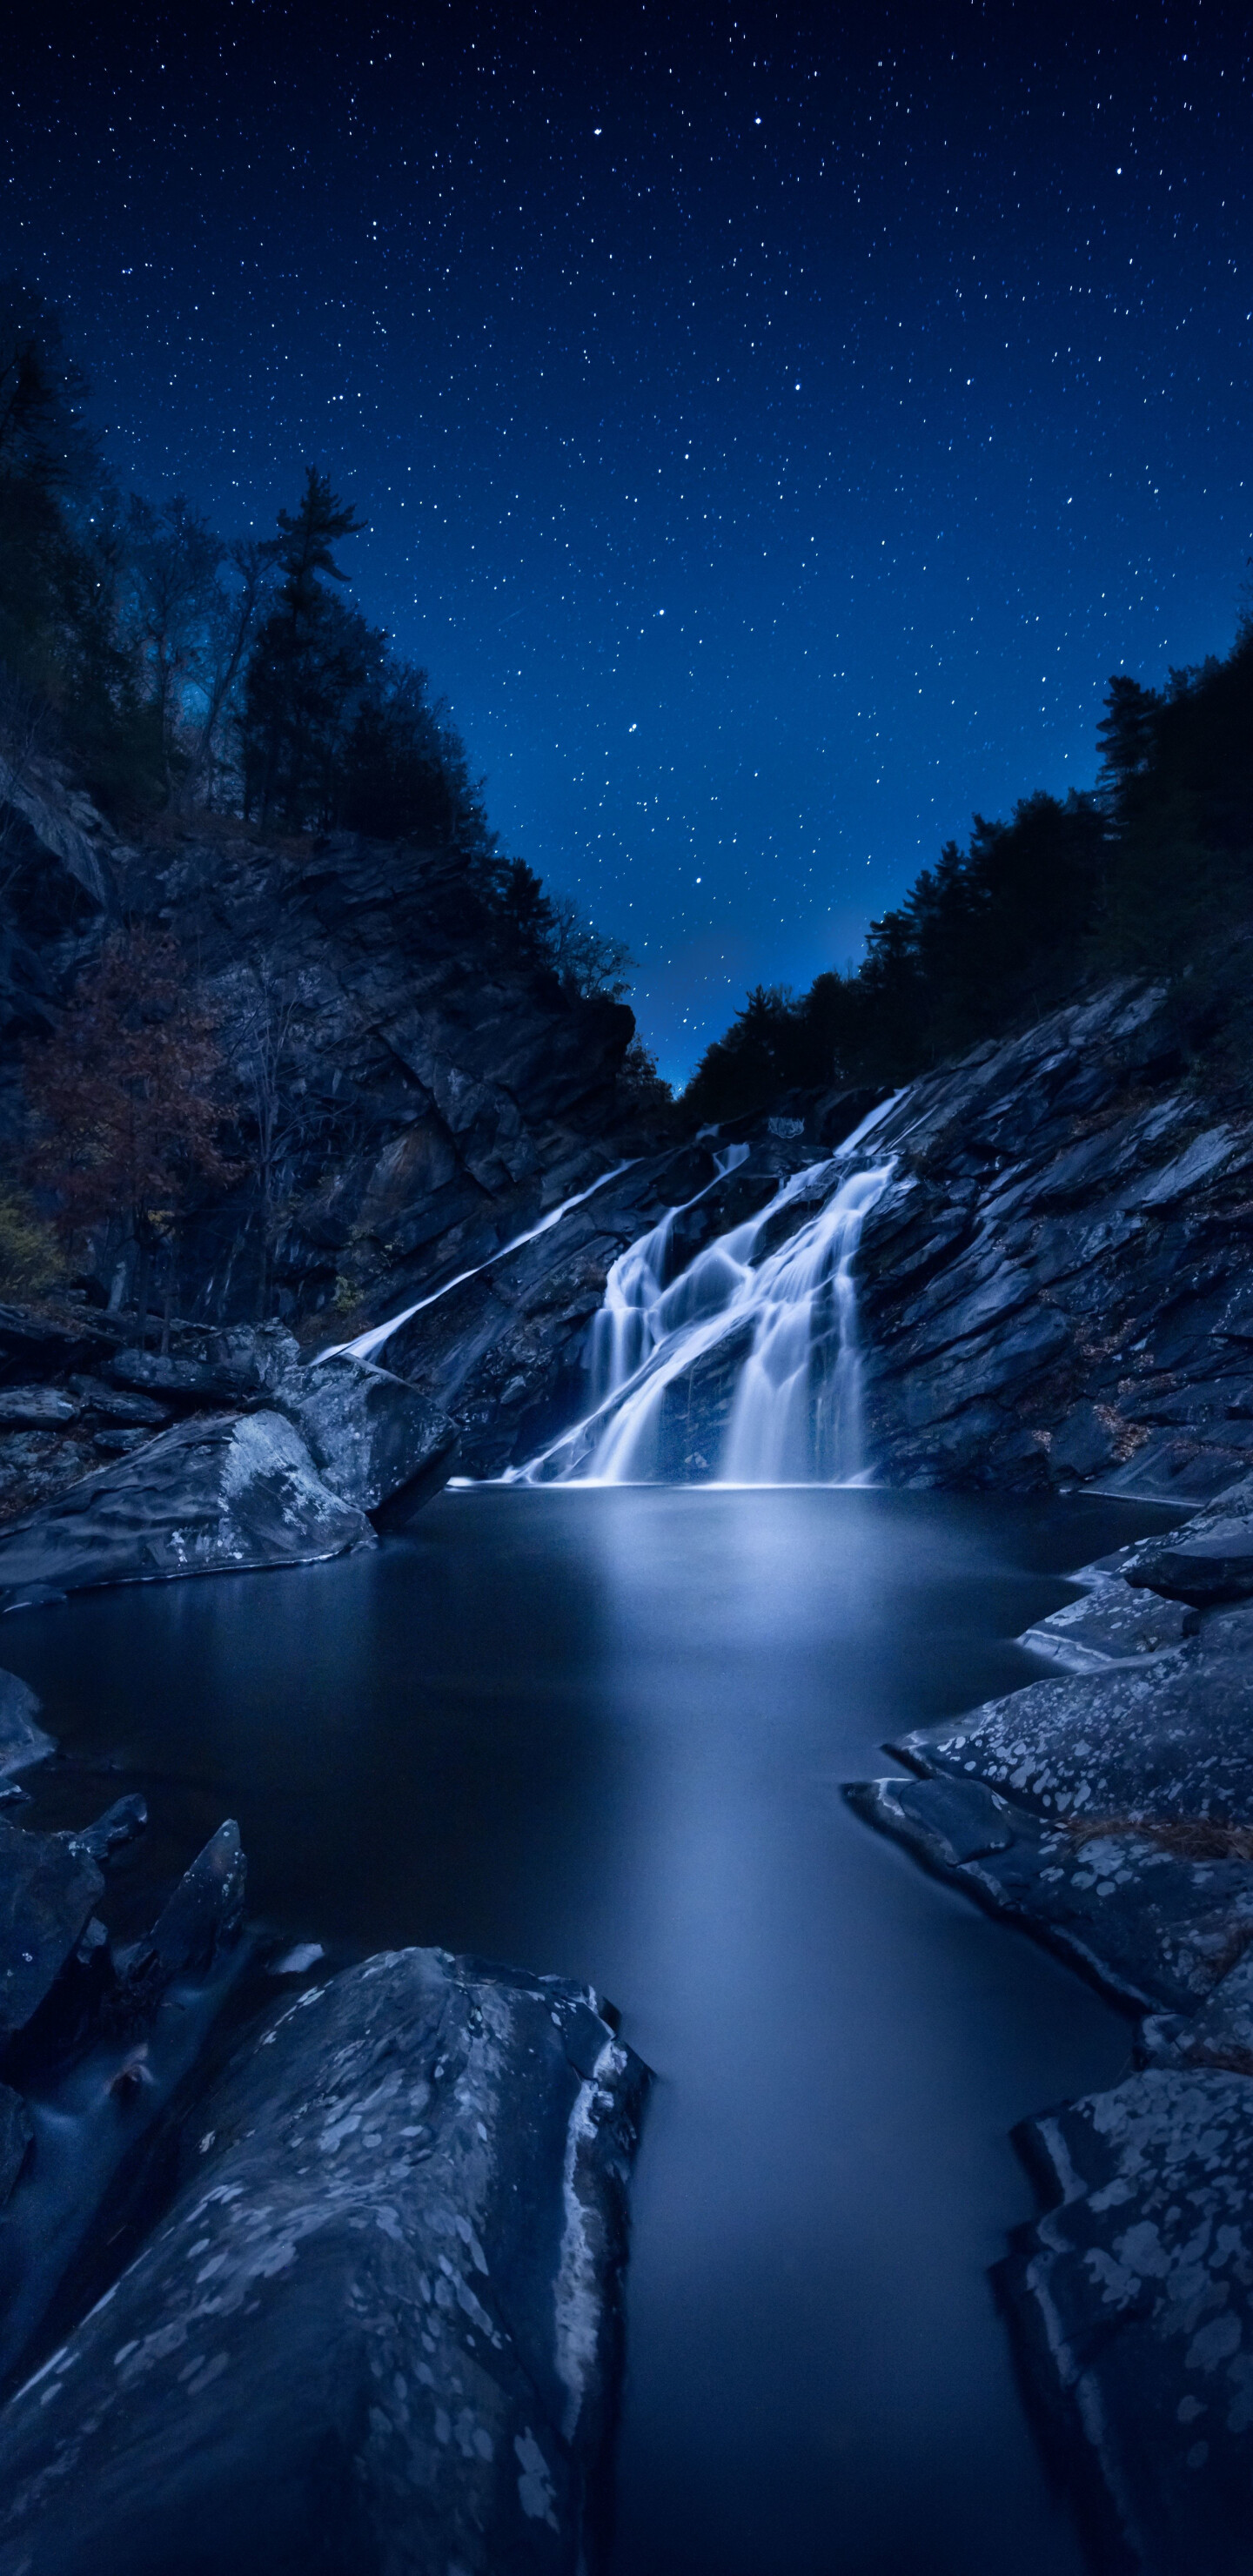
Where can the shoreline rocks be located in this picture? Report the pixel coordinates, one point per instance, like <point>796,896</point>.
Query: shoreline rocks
<point>217,1494</point>
<point>380,2325</point>
<point>1108,1812</point>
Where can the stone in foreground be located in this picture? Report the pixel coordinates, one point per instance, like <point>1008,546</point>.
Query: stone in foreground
<point>379,2332</point>
<point>1134,2297</point>
<point>372,1436</point>
<point>214,1496</point>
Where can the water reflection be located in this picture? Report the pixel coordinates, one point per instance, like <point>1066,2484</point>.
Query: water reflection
<point>601,1731</point>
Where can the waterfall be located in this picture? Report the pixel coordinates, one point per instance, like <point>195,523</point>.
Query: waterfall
<point>368,1345</point>
<point>796,1413</point>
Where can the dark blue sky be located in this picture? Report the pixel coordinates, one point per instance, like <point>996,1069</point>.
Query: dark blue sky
<point>774,425</point>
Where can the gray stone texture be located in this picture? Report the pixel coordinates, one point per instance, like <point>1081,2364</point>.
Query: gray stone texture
<point>1134,2297</point>
<point>379,2328</point>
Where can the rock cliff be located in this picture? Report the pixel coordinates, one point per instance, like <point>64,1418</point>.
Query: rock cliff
<point>430,1089</point>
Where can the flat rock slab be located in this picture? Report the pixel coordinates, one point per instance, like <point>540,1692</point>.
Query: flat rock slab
<point>1109,1624</point>
<point>48,1887</point>
<point>371,1435</point>
<point>1216,1566</point>
<point>1134,2297</point>
<point>220,1495</point>
<point>380,2327</point>
<point>1150,1928</point>
<point>1166,1737</point>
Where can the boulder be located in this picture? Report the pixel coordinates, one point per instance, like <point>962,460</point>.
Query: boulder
<point>35,1408</point>
<point>211,1496</point>
<point>192,1381</point>
<point>379,2328</point>
<point>98,1396</point>
<point>49,1885</point>
<point>201,1919</point>
<point>119,1824</point>
<point>22,1742</point>
<point>1217,1565</point>
<point>372,1436</point>
<point>1134,2302</point>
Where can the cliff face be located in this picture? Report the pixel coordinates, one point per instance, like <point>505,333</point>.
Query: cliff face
<point>1052,1284</point>
<point>428,1092</point>
<point>1054,1281</point>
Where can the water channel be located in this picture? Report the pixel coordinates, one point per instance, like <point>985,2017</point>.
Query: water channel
<point>601,1731</point>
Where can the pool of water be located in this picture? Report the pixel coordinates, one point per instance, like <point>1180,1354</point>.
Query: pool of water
<point>602,1732</point>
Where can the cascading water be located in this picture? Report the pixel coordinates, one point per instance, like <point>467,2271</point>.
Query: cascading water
<point>796,1414</point>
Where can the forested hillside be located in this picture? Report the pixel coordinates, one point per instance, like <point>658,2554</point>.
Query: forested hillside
<point>1153,868</point>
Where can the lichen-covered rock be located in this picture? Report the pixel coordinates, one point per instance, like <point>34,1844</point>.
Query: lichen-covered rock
<point>214,1495</point>
<point>1108,1624</point>
<point>1155,1928</point>
<point>1134,2296</point>
<point>371,1435</point>
<point>379,2328</point>
<point>1166,1735</point>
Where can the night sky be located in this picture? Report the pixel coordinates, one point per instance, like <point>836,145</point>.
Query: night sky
<point>774,425</point>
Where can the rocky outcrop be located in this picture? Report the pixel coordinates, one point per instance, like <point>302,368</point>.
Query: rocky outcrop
<point>1108,1811</point>
<point>1051,1283</point>
<point>95,2039</point>
<point>1134,2303</point>
<point>22,1741</point>
<point>222,1494</point>
<point>379,2328</point>
<point>432,1090</point>
<point>372,1436</point>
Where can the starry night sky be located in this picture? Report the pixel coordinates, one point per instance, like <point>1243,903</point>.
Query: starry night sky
<point>774,425</point>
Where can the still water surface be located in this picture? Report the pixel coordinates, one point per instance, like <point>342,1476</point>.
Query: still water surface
<point>601,1732</point>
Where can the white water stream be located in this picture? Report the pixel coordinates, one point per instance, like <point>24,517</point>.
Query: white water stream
<point>796,1415</point>
<point>368,1345</point>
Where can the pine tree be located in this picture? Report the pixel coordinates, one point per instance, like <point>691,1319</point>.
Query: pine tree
<point>313,658</point>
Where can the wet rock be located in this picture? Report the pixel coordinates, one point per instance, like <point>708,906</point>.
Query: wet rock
<point>119,1443</point>
<point>142,1411</point>
<point>372,1436</point>
<point>1134,2299</point>
<point>35,1408</point>
<point>17,2130</point>
<point>48,1889</point>
<point>217,1495</point>
<point>1109,1624</point>
<point>1163,1736</point>
<point>34,1347</point>
<point>379,2328</point>
<point>200,1921</point>
<point>1216,1566</point>
<point>119,1824</point>
<point>1149,1926</point>
<point>194,1381</point>
<point>1220,2034</point>
<point>22,1742</point>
